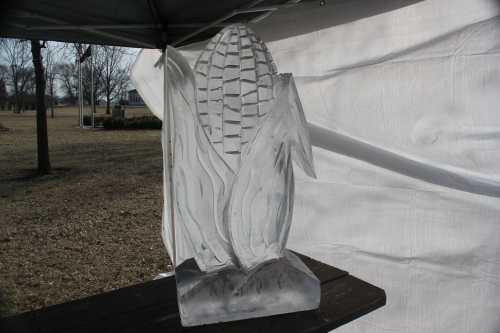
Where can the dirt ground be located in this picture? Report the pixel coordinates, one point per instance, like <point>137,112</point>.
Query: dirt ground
<point>91,226</point>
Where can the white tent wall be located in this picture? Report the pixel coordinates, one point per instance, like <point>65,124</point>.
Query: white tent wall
<point>423,82</point>
<point>408,189</point>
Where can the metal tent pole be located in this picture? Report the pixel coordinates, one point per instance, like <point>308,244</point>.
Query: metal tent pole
<point>168,142</point>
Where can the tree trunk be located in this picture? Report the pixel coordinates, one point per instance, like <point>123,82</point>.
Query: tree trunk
<point>41,111</point>
<point>108,104</point>
<point>17,100</point>
<point>52,100</point>
<point>23,107</point>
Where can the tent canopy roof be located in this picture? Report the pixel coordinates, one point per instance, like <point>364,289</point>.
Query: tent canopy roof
<point>131,23</point>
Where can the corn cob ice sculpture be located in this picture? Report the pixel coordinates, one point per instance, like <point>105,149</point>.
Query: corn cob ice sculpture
<point>237,126</point>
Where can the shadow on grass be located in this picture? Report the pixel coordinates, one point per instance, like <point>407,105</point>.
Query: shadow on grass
<point>25,178</point>
<point>5,306</point>
<point>29,175</point>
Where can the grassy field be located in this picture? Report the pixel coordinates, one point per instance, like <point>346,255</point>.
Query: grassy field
<point>92,225</point>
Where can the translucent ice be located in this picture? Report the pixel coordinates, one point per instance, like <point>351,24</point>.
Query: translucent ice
<point>237,125</point>
<point>279,286</point>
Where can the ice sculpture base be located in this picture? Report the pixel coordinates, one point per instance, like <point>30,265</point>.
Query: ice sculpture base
<point>280,286</point>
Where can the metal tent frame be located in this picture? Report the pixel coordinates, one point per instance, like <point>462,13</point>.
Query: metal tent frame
<point>21,19</point>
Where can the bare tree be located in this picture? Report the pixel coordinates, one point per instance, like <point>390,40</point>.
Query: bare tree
<point>68,78</point>
<point>110,70</point>
<point>93,63</point>
<point>3,87</point>
<point>41,111</point>
<point>115,77</point>
<point>4,72</point>
<point>91,59</point>
<point>52,53</point>
<point>15,54</point>
<point>67,74</point>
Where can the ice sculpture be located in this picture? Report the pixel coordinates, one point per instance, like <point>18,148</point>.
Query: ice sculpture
<point>237,125</point>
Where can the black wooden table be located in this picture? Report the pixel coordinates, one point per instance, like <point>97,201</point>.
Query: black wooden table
<point>152,307</point>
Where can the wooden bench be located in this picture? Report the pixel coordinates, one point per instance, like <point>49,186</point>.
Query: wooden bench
<point>152,307</point>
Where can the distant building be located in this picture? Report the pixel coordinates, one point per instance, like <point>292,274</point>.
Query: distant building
<point>134,98</point>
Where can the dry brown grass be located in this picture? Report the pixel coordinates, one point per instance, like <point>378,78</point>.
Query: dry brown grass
<point>92,225</point>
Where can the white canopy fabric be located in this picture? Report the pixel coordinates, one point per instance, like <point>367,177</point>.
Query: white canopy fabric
<point>404,107</point>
